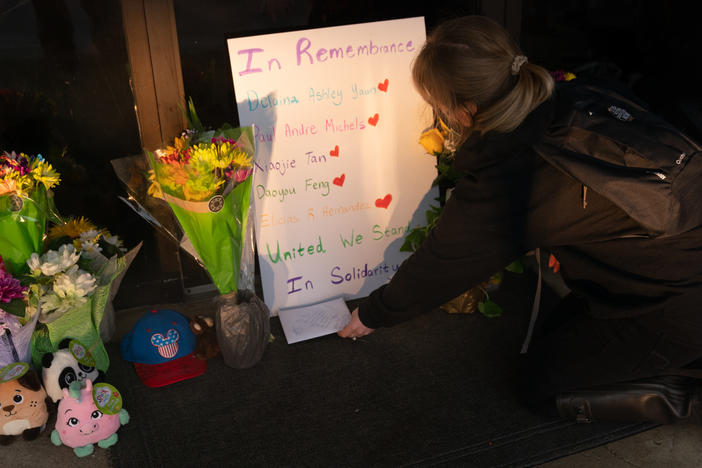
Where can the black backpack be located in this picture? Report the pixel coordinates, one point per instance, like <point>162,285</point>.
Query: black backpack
<point>621,150</point>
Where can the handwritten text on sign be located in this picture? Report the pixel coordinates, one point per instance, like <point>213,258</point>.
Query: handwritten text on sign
<point>339,176</point>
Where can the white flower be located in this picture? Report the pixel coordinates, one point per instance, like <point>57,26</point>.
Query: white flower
<point>68,255</point>
<point>74,282</point>
<point>91,235</point>
<point>70,290</point>
<point>90,249</point>
<point>53,262</point>
<point>34,264</point>
<point>114,240</point>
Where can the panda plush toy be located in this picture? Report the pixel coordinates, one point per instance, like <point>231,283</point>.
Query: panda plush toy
<point>61,367</point>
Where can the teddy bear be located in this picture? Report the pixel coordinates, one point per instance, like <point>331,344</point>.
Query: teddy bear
<point>207,346</point>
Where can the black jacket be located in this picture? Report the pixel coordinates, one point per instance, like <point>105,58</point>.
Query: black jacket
<point>512,201</point>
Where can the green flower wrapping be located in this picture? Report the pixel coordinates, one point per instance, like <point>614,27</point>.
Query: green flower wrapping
<point>81,323</point>
<point>208,188</point>
<point>22,227</point>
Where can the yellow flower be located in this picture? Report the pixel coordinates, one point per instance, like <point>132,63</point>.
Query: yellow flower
<point>72,228</point>
<point>179,144</point>
<point>205,157</point>
<point>445,131</point>
<point>154,189</point>
<point>432,141</point>
<point>242,160</point>
<point>43,173</point>
<point>569,76</point>
<point>16,184</point>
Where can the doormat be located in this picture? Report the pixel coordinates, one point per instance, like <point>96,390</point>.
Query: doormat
<point>434,391</point>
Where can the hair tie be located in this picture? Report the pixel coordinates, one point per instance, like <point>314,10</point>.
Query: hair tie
<point>517,63</point>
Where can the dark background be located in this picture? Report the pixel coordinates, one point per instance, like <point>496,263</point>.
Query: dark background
<point>65,84</point>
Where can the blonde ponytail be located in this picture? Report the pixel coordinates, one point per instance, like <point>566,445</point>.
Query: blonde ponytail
<point>473,59</point>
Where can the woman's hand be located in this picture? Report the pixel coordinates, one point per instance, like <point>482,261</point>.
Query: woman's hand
<point>355,328</point>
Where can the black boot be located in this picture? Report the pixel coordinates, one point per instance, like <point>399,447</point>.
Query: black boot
<point>664,400</point>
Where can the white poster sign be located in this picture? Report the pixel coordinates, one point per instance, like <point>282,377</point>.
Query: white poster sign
<point>339,176</point>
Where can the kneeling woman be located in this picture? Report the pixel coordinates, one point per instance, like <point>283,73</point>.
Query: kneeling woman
<point>633,316</point>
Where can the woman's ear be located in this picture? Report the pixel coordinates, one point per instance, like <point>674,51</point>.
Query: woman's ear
<point>465,114</point>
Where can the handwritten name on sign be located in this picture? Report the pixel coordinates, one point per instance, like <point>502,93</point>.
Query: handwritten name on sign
<point>339,176</point>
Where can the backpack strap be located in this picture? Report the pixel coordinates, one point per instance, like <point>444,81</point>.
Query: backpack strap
<point>535,306</point>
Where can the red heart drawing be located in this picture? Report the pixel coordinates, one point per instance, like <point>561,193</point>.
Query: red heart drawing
<point>373,120</point>
<point>339,180</point>
<point>383,202</point>
<point>335,151</point>
<point>384,85</point>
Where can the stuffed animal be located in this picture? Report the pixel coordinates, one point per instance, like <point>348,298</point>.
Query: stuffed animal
<point>23,408</point>
<point>203,328</point>
<point>61,368</point>
<point>80,424</point>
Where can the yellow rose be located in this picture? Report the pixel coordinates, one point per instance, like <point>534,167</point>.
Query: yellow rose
<point>432,141</point>
<point>569,76</point>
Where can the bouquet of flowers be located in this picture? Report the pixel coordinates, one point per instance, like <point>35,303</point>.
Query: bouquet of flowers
<point>62,296</point>
<point>71,287</point>
<point>102,252</point>
<point>205,177</point>
<point>26,203</point>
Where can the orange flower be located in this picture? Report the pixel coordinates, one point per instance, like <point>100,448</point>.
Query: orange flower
<point>8,186</point>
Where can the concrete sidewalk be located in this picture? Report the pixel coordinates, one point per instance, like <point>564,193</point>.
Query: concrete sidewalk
<point>677,445</point>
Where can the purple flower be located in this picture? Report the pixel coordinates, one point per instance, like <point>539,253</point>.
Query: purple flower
<point>558,75</point>
<point>16,162</point>
<point>221,140</point>
<point>10,288</point>
<point>3,269</point>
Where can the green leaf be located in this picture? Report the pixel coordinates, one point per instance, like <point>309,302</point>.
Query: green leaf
<point>515,267</point>
<point>193,120</point>
<point>413,239</point>
<point>489,309</point>
<point>203,137</point>
<point>406,246</point>
<point>15,307</point>
<point>433,214</point>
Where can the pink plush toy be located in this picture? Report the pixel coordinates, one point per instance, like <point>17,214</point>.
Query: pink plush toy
<point>79,422</point>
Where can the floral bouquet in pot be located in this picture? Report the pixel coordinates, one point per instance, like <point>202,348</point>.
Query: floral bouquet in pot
<point>205,177</point>
<point>26,204</point>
